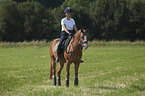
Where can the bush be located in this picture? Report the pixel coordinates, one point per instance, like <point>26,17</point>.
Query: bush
<point>137,20</point>
<point>106,19</point>
<point>34,21</point>
<point>9,21</point>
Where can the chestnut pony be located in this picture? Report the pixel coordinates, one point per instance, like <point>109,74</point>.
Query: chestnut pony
<point>74,55</point>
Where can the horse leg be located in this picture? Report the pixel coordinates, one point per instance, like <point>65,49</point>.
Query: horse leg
<point>50,70</point>
<point>67,73</point>
<point>76,73</point>
<point>58,73</point>
<point>53,71</point>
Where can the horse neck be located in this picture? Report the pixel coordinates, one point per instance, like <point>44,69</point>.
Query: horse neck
<point>76,44</point>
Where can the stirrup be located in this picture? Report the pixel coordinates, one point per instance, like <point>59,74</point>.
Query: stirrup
<point>57,60</point>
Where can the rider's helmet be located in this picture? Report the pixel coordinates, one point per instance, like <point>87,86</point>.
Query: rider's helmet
<point>68,10</point>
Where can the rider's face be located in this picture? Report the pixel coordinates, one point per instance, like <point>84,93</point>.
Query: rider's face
<point>68,14</point>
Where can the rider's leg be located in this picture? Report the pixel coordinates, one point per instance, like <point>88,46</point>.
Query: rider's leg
<point>62,38</point>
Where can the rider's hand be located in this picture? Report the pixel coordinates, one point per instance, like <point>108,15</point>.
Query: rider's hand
<point>70,34</point>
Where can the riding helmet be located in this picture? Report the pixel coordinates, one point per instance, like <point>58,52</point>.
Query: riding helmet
<point>68,10</point>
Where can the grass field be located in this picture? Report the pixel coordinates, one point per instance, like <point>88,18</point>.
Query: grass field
<point>110,69</point>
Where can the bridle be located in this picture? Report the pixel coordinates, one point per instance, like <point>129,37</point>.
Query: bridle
<point>80,41</point>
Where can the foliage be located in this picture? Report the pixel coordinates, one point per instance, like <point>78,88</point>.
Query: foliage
<point>40,19</point>
<point>9,22</point>
<point>30,21</point>
<point>109,18</point>
<point>137,19</point>
<point>50,3</point>
<point>34,20</point>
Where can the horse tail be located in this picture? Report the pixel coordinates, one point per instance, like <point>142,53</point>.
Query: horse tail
<point>50,72</point>
<point>52,58</point>
<point>51,55</point>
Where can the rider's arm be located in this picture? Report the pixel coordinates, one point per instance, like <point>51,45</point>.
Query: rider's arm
<point>63,25</point>
<point>75,27</point>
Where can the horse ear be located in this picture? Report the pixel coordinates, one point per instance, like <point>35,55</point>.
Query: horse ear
<point>82,30</point>
<point>86,31</point>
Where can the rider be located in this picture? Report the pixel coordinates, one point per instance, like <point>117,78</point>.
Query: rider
<point>68,24</point>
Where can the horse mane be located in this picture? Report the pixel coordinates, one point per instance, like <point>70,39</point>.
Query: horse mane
<point>78,33</point>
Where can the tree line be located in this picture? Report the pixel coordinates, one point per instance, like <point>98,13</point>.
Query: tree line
<point>27,20</point>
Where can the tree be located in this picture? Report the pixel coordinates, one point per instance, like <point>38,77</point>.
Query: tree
<point>50,3</point>
<point>9,21</point>
<point>108,18</point>
<point>18,1</point>
<point>35,21</point>
<point>40,19</point>
<point>137,20</point>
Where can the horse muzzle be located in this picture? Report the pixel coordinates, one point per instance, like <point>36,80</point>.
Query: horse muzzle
<point>85,46</point>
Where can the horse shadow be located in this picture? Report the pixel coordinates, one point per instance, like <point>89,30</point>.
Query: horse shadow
<point>138,87</point>
<point>103,87</point>
<point>115,88</point>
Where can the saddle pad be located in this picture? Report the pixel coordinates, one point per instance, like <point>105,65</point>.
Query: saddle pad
<point>69,48</point>
<point>55,47</point>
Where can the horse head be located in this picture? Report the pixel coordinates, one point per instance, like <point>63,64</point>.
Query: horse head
<point>83,38</point>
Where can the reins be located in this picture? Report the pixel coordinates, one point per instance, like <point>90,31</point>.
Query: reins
<point>68,42</point>
<point>79,41</point>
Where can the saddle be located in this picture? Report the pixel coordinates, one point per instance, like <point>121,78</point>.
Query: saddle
<point>65,45</point>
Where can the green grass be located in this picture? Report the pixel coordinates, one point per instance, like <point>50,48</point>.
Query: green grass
<point>110,69</point>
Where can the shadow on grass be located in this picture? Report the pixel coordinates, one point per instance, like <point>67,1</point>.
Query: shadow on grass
<point>138,87</point>
<point>103,87</point>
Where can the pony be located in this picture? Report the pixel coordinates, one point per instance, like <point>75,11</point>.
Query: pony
<point>72,54</point>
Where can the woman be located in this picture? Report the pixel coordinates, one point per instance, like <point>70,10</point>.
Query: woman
<point>68,24</point>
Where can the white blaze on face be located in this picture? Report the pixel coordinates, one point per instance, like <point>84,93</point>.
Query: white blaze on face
<point>85,38</point>
<point>85,45</point>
